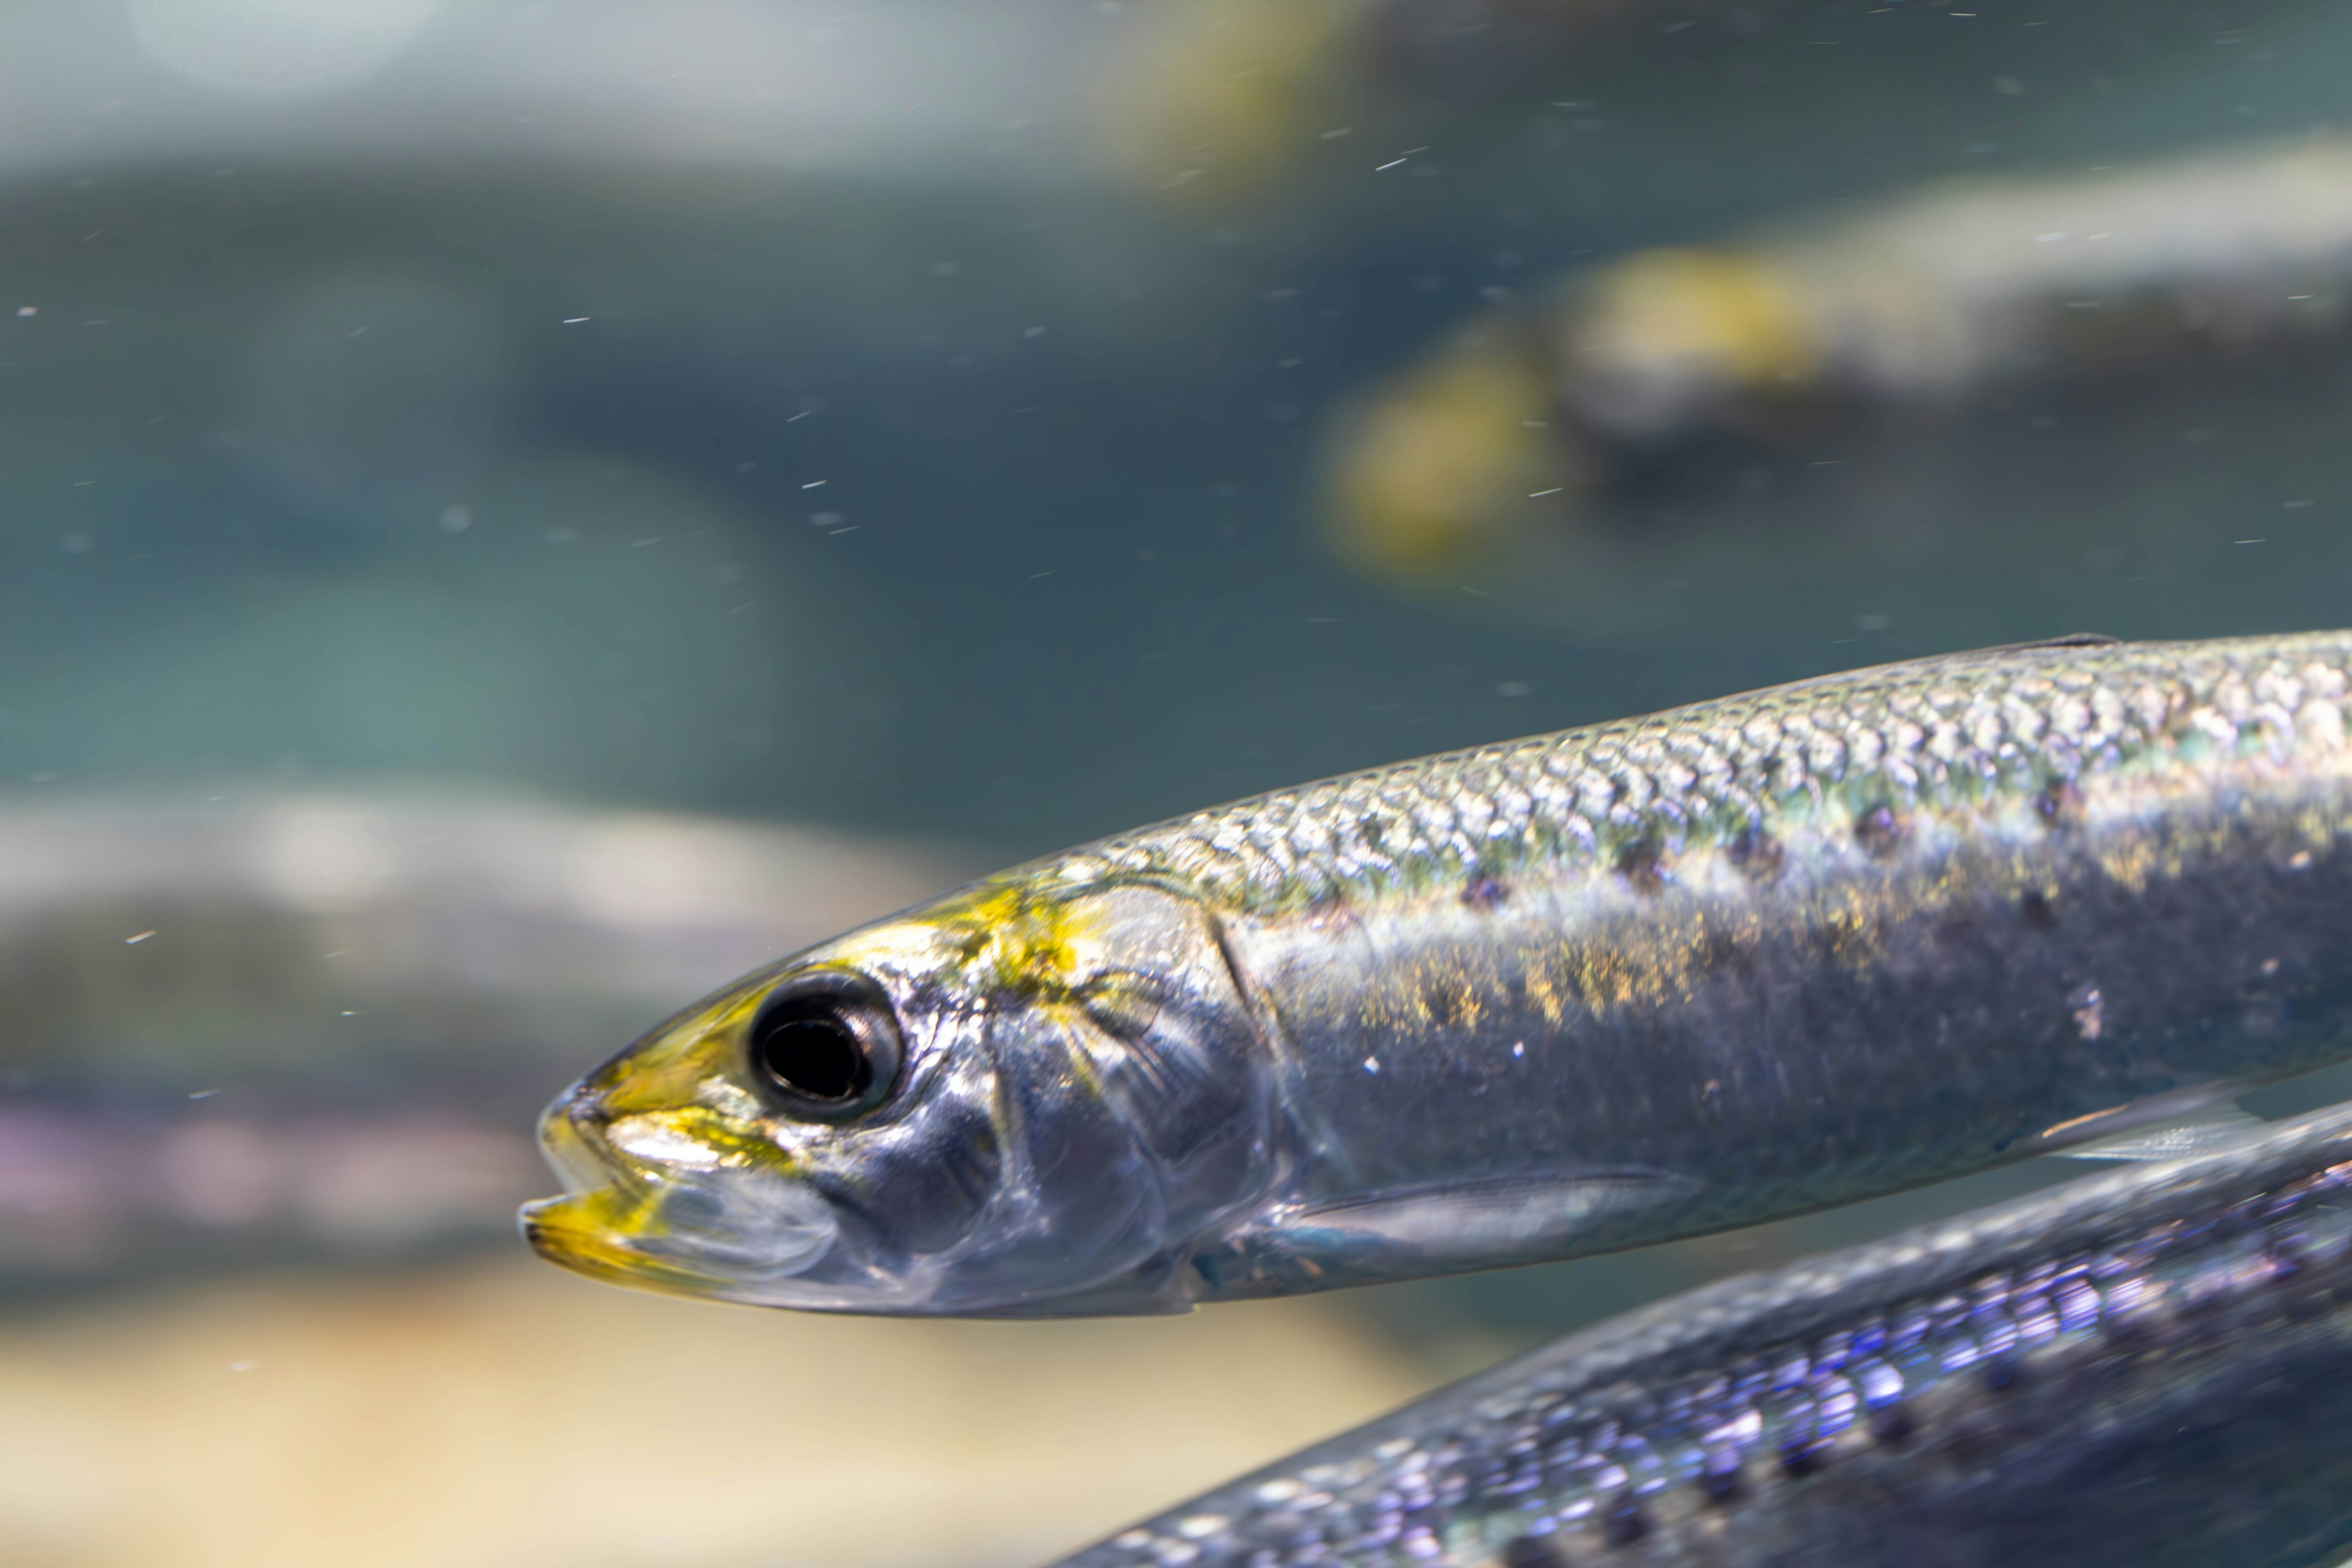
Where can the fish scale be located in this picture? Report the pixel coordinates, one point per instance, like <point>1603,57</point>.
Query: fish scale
<point>1940,731</point>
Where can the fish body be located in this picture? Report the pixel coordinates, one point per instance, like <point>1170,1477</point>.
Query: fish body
<point>2141,1369</point>
<point>1558,996</point>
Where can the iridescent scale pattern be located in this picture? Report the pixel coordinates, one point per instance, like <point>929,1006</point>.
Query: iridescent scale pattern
<point>1936,733</point>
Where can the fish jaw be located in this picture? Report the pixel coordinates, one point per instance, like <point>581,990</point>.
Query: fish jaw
<point>658,1201</point>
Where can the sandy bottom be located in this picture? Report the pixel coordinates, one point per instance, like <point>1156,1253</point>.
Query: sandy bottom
<point>506,1413</point>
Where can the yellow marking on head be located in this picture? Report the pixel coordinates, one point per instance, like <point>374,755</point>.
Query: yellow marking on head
<point>1732,316</point>
<point>676,1066</point>
<point>1544,991</point>
<point>1442,460</point>
<point>680,1096</point>
<point>1022,938</point>
<point>1015,939</point>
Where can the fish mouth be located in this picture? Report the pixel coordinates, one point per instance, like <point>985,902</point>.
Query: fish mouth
<point>686,1232</point>
<point>625,1236</point>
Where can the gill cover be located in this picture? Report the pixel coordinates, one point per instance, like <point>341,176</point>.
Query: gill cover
<point>1134,1107</point>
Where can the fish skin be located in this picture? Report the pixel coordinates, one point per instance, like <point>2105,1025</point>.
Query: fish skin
<point>1554,996</point>
<point>2144,1368</point>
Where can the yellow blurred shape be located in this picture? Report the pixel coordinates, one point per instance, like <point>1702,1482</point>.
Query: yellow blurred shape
<point>506,1414</point>
<point>1439,462</point>
<point>1223,97</point>
<point>1714,315</point>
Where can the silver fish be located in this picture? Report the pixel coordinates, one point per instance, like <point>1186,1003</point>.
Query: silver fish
<point>1555,997</point>
<point>2141,1369</point>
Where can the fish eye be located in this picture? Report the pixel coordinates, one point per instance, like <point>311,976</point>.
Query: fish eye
<point>824,1047</point>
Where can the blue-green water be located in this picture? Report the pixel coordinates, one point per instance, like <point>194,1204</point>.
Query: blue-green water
<point>789,413</point>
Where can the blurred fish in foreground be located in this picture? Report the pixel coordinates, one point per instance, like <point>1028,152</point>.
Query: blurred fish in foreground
<point>2140,1369</point>
<point>1918,309</point>
<point>272,1025</point>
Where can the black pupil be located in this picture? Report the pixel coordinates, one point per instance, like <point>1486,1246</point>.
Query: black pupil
<point>816,1055</point>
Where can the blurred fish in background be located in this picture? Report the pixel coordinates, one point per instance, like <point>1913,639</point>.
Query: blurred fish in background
<point>1912,311</point>
<point>272,1027</point>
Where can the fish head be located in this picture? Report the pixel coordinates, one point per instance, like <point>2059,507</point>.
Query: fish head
<point>1025,1099</point>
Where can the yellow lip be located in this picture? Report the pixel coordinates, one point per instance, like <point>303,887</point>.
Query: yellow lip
<point>590,1233</point>
<point>590,1228</point>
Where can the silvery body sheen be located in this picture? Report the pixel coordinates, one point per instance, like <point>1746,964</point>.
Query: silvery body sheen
<point>2138,1370</point>
<point>1551,996</point>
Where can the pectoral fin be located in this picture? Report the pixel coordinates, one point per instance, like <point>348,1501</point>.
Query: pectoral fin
<point>2178,1108</point>
<point>2213,1129</point>
<point>1486,1221</point>
<point>1502,1217</point>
